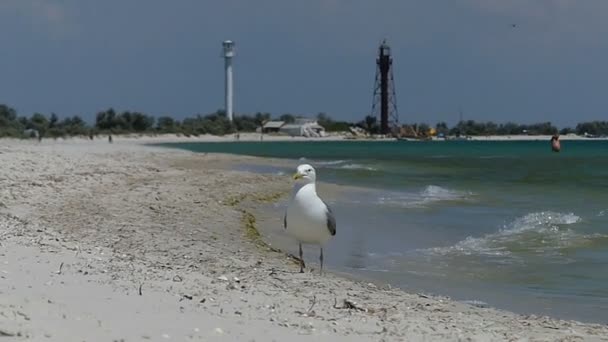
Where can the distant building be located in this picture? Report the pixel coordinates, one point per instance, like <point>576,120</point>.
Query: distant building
<point>272,126</point>
<point>31,133</point>
<point>303,128</point>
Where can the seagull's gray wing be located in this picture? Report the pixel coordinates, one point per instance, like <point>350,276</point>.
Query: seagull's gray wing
<point>331,220</point>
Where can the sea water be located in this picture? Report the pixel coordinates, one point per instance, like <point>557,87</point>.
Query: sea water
<point>507,224</point>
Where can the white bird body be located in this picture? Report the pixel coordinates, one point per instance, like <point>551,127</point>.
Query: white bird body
<point>308,219</point>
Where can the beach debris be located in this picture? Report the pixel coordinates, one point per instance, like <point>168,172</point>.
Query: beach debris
<point>350,305</point>
<point>189,297</point>
<point>222,278</point>
<point>25,317</point>
<point>60,268</point>
<point>550,327</point>
<point>549,323</point>
<point>177,279</point>
<point>139,289</point>
<point>309,312</point>
<point>218,331</point>
<point>5,333</point>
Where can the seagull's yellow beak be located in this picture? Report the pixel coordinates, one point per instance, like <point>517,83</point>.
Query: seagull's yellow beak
<point>297,175</point>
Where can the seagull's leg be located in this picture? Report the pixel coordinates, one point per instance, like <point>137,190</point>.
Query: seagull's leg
<point>301,259</point>
<point>321,260</point>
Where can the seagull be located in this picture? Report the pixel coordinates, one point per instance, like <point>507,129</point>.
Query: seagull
<point>308,218</point>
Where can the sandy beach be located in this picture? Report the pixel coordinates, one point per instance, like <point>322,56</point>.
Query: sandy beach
<point>126,242</point>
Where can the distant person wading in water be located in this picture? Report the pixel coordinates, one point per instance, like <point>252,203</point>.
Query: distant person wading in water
<point>555,145</point>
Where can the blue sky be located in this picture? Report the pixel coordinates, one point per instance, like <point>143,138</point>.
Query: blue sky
<point>163,57</point>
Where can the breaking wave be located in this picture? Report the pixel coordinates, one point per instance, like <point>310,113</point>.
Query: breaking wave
<point>342,164</point>
<point>331,162</point>
<point>358,167</point>
<point>437,193</point>
<point>429,195</point>
<point>542,233</point>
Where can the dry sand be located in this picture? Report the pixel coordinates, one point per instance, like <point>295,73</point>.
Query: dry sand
<point>124,242</point>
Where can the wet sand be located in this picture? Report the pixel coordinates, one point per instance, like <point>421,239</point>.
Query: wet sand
<point>128,242</point>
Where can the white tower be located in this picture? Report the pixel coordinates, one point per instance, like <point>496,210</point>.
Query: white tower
<point>228,54</point>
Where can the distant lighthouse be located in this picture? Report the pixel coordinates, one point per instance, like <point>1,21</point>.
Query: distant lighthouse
<point>384,91</point>
<point>228,46</point>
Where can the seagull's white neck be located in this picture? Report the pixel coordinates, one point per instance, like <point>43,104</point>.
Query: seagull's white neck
<point>306,187</point>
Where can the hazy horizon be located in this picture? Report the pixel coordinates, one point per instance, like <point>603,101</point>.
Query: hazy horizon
<point>498,61</point>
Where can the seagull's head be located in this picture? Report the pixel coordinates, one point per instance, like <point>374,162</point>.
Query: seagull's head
<point>305,172</point>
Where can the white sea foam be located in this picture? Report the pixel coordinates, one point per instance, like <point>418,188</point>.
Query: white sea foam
<point>331,162</point>
<point>437,193</point>
<point>498,156</point>
<point>358,167</point>
<point>539,232</point>
<point>343,164</point>
<point>427,196</point>
<point>477,303</point>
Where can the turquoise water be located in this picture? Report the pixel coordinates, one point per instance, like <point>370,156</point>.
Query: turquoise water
<point>510,224</point>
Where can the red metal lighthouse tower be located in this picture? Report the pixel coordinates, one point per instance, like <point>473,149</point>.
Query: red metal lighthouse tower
<point>384,91</point>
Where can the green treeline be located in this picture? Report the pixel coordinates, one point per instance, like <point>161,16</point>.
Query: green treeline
<point>110,121</point>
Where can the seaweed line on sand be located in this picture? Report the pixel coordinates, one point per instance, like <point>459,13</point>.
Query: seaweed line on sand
<point>243,203</point>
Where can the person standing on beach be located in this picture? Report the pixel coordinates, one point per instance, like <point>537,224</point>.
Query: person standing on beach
<point>555,145</point>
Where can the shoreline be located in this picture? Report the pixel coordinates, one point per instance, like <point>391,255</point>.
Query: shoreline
<point>162,138</point>
<point>130,241</point>
<point>270,227</point>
